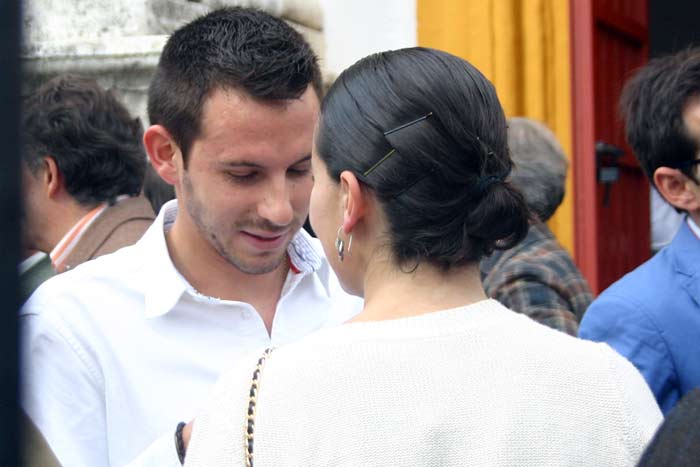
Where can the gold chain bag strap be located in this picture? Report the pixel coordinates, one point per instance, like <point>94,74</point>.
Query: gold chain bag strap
<point>252,401</point>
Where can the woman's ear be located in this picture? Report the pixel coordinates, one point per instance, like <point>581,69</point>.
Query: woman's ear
<point>163,152</point>
<point>354,199</point>
<point>677,189</point>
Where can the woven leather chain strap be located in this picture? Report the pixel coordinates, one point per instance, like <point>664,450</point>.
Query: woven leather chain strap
<point>252,401</point>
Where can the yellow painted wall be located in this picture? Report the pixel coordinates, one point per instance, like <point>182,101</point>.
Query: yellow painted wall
<point>522,46</point>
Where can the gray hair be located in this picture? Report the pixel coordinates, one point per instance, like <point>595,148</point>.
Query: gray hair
<point>539,165</point>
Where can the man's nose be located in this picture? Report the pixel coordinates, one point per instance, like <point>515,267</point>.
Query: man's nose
<point>275,205</point>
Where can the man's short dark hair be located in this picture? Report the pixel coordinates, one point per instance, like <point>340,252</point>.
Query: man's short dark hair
<point>238,48</point>
<point>95,142</point>
<point>652,105</point>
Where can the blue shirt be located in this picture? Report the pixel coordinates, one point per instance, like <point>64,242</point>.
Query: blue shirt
<point>652,317</point>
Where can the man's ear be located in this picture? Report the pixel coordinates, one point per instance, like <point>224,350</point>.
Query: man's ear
<point>162,152</point>
<point>52,178</point>
<point>677,189</point>
<point>354,199</point>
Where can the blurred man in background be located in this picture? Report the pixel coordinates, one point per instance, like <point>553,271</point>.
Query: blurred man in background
<point>652,315</point>
<point>538,277</point>
<point>83,167</point>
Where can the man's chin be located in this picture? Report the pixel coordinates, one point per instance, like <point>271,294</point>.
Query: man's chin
<point>257,266</point>
<point>250,258</point>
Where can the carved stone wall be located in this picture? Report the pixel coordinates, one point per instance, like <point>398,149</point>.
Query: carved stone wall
<point>119,41</point>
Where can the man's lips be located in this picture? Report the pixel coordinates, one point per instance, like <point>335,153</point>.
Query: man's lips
<point>265,240</point>
<point>266,235</point>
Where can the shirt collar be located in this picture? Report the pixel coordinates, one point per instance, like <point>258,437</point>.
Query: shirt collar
<point>164,285</point>
<point>63,248</point>
<point>304,256</point>
<point>693,227</point>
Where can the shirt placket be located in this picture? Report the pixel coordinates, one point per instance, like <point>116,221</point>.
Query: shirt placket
<point>290,284</point>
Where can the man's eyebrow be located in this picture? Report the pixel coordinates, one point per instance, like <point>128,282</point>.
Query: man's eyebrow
<point>255,165</point>
<point>303,159</point>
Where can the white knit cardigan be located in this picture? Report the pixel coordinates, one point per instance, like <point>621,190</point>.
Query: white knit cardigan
<point>478,385</point>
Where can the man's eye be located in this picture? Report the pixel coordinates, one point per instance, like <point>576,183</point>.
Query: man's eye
<point>299,171</point>
<point>242,176</point>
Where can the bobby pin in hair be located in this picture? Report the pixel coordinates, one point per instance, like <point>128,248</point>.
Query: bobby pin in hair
<point>413,122</point>
<point>393,150</point>
<point>489,151</point>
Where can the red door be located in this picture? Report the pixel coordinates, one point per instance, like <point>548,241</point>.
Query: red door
<point>609,41</point>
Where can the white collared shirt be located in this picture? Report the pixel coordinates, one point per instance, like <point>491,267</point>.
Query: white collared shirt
<point>119,350</point>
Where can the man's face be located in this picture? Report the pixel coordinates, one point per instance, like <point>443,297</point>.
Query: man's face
<point>691,120</point>
<point>33,202</point>
<point>248,178</point>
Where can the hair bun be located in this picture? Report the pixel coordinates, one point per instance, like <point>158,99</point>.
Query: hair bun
<point>425,131</point>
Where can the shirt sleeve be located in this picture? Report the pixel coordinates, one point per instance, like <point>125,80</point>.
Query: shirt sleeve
<point>218,432</point>
<point>529,295</point>
<point>627,327</point>
<point>161,453</point>
<point>62,391</point>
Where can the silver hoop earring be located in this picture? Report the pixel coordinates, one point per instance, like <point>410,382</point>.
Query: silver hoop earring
<point>340,244</point>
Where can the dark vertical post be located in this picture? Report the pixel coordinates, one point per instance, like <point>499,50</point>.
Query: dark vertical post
<point>9,228</point>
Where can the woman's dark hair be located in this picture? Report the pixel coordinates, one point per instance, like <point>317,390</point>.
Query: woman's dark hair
<point>441,179</point>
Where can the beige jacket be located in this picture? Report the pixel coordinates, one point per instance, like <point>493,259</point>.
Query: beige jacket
<point>118,226</point>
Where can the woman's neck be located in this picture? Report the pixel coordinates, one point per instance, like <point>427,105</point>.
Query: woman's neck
<point>391,293</point>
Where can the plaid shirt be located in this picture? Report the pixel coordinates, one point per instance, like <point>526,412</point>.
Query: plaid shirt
<point>538,278</point>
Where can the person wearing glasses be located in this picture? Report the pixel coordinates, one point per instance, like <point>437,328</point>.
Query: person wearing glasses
<point>411,190</point>
<point>652,315</point>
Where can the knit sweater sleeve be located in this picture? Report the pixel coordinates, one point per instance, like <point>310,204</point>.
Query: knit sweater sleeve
<point>218,434</point>
<point>639,415</point>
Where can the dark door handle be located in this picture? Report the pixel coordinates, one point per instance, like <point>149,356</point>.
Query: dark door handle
<point>607,166</point>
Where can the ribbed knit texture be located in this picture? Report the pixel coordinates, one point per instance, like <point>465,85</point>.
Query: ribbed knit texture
<point>478,385</point>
